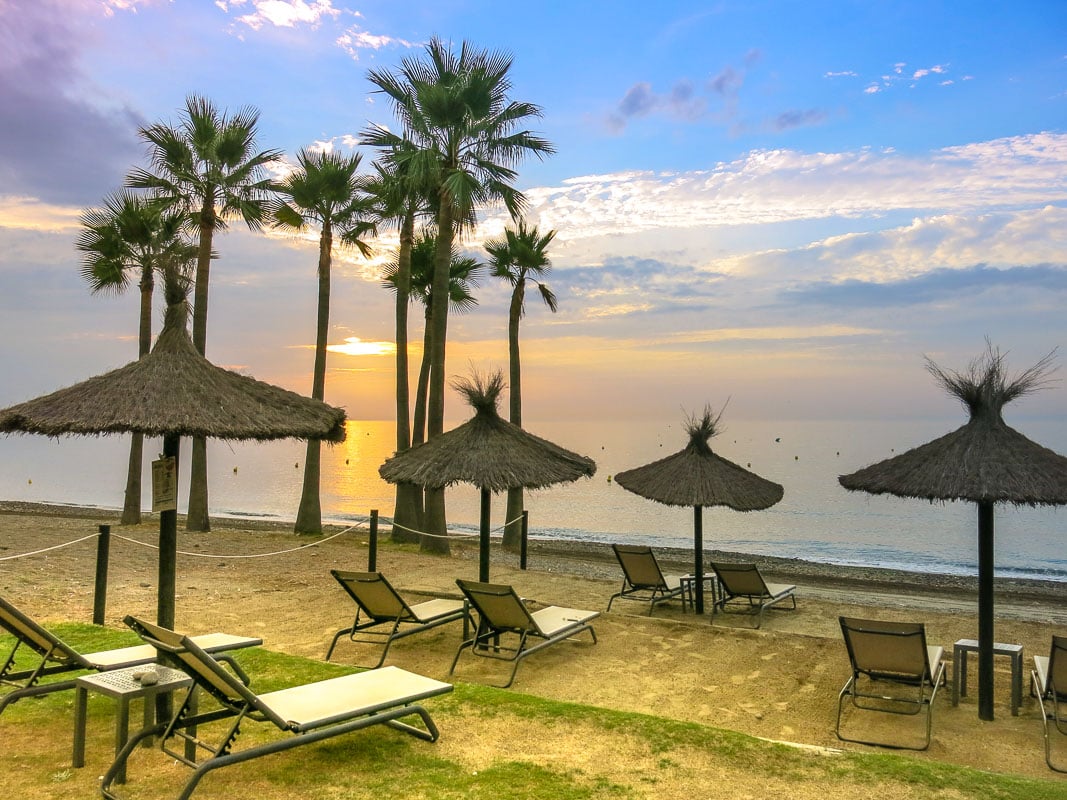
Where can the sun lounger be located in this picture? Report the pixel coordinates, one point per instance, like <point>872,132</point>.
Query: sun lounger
<point>743,584</point>
<point>382,615</point>
<point>643,579</point>
<point>1050,682</point>
<point>311,712</point>
<point>59,658</point>
<point>504,617</point>
<point>893,671</point>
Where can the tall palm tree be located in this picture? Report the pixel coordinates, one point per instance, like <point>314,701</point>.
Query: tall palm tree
<point>468,136</point>
<point>520,256</point>
<point>207,167</point>
<point>130,236</point>
<point>326,189</point>
<point>399,199</point>
<point>463,276</point>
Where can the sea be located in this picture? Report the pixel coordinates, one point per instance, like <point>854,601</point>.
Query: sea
<point>817,520</point>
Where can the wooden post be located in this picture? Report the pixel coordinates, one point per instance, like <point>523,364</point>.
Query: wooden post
<point>103,549</point>
<point>168,545</point>
<point>985,610</point>
<point>524,539</point>
<point>483,536</point>
<point>372,549</point>
<point>698,556</point>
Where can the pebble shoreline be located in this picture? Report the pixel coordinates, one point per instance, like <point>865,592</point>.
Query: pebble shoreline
<point>596,560</point>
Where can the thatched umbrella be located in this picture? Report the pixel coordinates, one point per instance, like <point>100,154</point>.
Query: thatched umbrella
<point>489,452</point>
<point>173,392</point>
<point>697,477</point>
<point>984,462</point>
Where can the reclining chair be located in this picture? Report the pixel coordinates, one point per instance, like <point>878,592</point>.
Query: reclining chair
<point>311,712</point>
<point>893,671</point>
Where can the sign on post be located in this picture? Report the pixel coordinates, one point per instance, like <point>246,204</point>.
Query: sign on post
<point>165,485</point>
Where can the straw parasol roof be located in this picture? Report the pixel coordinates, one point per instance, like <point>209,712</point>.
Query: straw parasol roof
<point>985,462</point>
<point>696,476</point>
<point>175,390</point>
<point>487,451</point>
<point>172,392</point>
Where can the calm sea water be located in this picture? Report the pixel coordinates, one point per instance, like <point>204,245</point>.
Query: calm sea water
<point>817,519</point>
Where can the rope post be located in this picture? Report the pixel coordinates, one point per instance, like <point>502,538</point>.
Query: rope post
<point>522,540</point>
<point>103,550</point>
<point>372,550</point>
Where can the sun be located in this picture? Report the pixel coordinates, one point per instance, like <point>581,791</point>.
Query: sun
<point>354,346</point>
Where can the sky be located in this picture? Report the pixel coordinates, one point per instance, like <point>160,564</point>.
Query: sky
<point>780,206</point>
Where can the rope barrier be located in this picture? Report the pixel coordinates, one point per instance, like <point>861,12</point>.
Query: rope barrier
<point>181,552</point>
<point>47,549</point>
<point>456,534</point>
<point>241,555</point>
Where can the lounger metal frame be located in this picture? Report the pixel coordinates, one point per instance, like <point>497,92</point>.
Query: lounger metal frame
<point>383,616</point>
<point>59,658</point>
<point>643,579</point>
<point>890,654</point>
<point>744,585</point>
<point>1050,681</point>
<point>237,703</point>
<point>508,631</point>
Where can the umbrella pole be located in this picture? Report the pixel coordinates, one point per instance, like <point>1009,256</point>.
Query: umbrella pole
<point>483,550</point>
<point>698,556</point>
<point>985,610</point>
<point>168,545</point>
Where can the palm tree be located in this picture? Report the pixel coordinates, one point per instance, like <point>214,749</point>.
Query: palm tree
<point>462,278</point>
<point>327,190</point>
<point>399,199</point>
<point>131,236</point>
<point>455,109</point>
<point>206,167</point>
<point>518,257</point>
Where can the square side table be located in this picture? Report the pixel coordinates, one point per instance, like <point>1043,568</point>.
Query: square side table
<point>120,684</point>
<point>959,669</point>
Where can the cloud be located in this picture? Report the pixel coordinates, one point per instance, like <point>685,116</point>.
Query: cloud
<point>798,119</point>
<point>58,146</point>
<point>681,102</point>
<point>282,13</point>
<point>779,186</point>
<point>354,40</point>
<point>932,287</point>
<point>1001,240</point>
<point>889,80</point>
<point>685,100</point>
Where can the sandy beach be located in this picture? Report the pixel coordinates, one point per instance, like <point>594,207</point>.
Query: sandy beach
<point>780,682</point>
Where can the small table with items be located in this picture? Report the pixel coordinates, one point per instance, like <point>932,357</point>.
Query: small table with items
<point>124,685</point>
<point>959,669</point>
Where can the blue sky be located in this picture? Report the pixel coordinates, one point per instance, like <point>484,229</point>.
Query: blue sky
<point>782,204</point>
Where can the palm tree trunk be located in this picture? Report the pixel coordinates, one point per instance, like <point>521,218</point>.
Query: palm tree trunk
<point>309,513</point>
<point>407,508</point>
<point>418,423</point>
<point>197,518</point>
<point>434,521</point>
<point>131,506</point>
<point>513,516</point>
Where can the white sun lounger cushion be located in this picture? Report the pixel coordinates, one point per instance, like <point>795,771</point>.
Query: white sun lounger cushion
<point>326,702</point>
<point>146,653</point>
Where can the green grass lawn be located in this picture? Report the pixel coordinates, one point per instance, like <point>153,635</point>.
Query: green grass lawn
<point>494,744</point>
